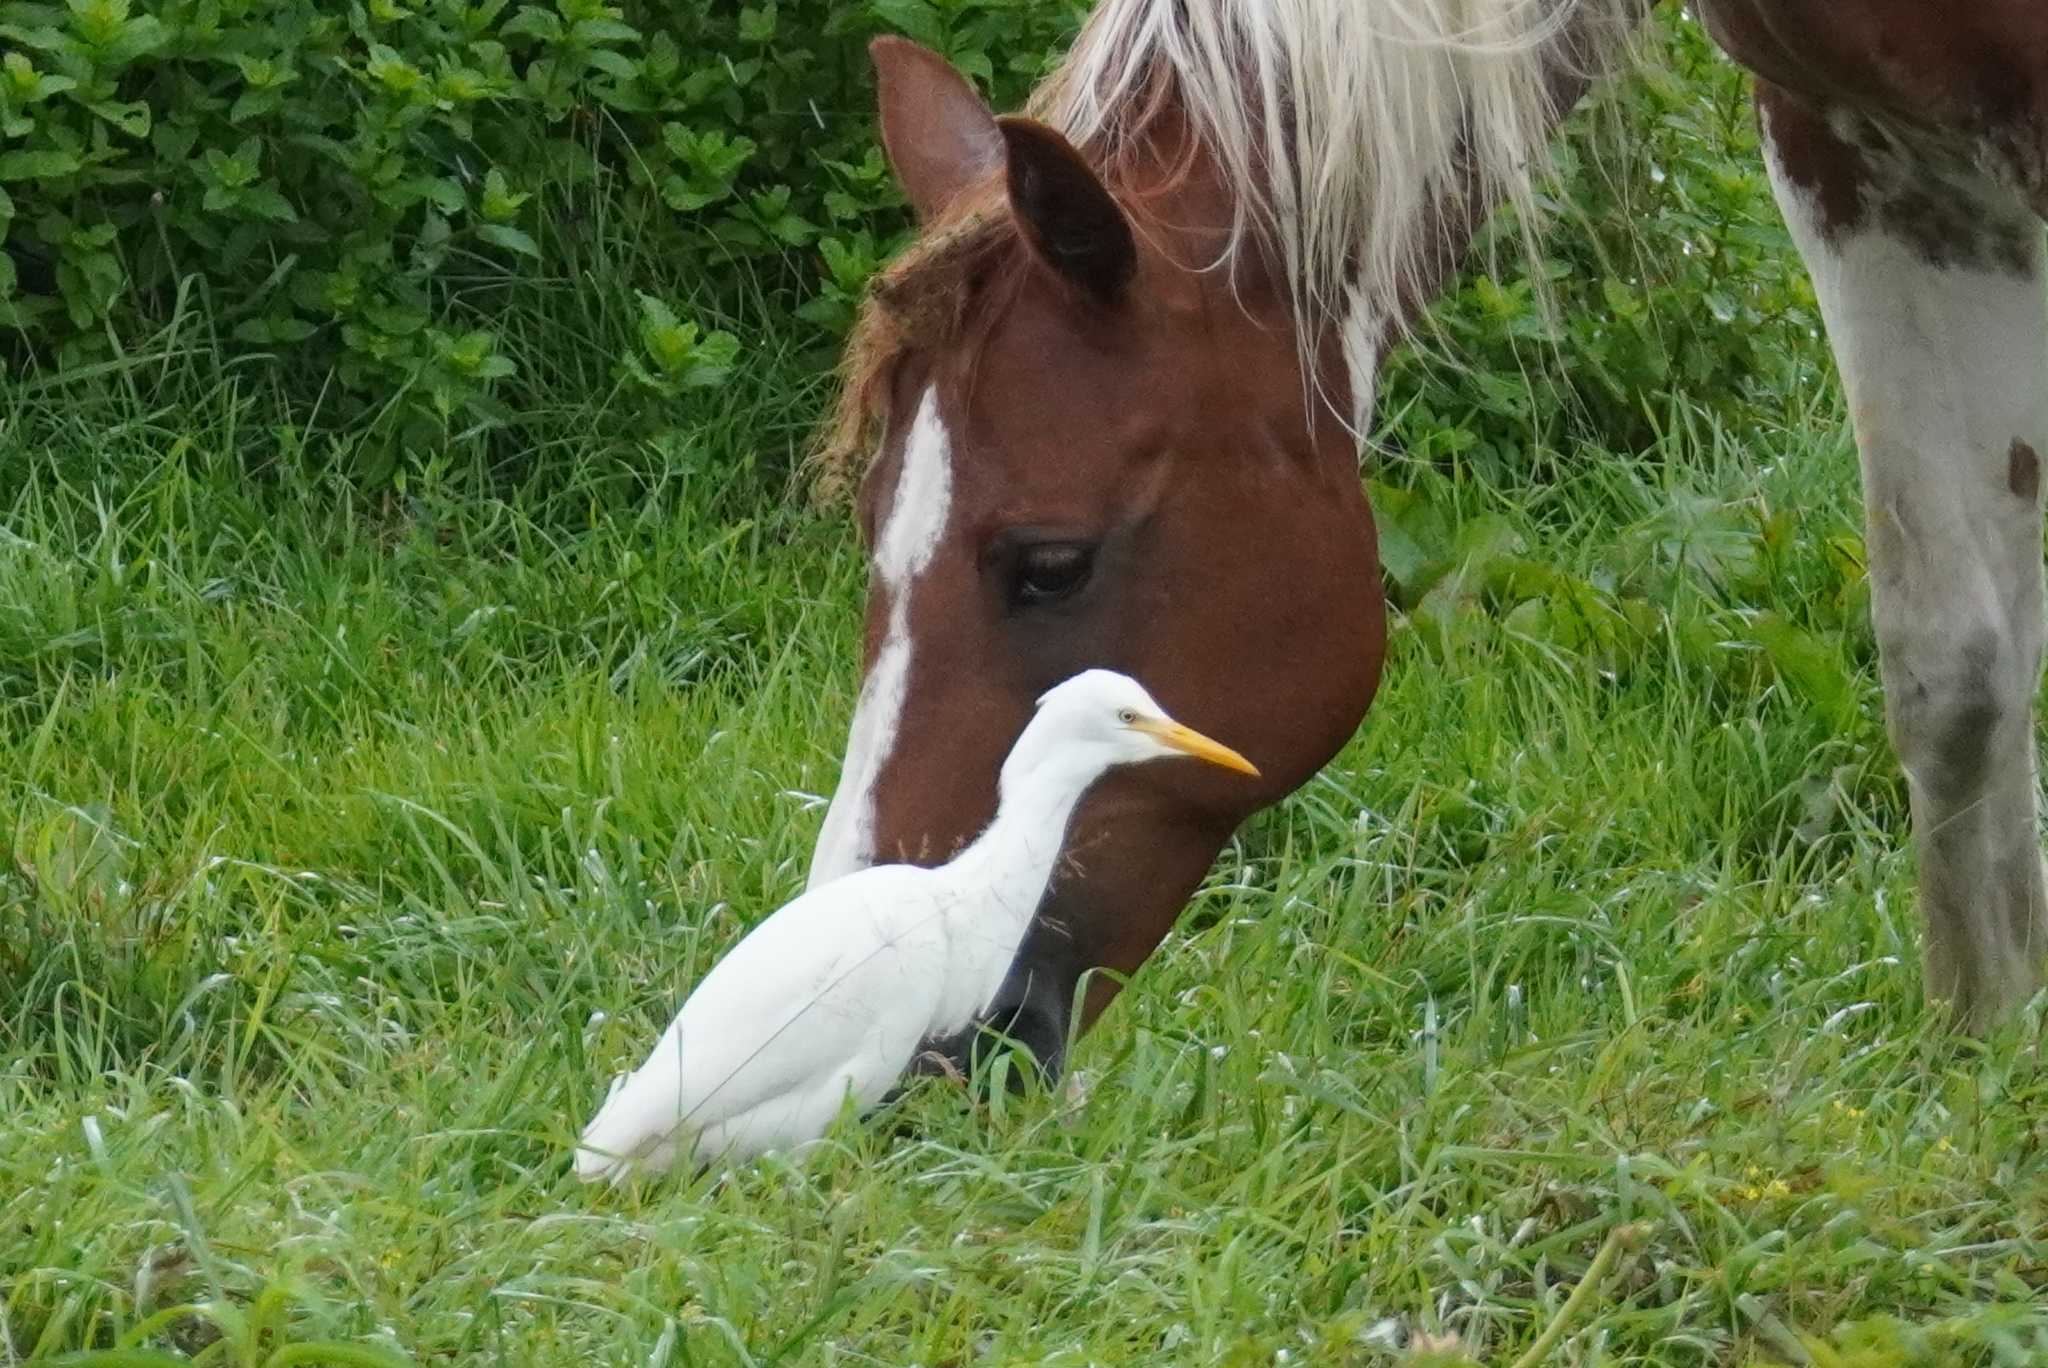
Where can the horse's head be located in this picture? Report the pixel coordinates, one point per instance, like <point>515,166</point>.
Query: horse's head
<point>1090,447</point>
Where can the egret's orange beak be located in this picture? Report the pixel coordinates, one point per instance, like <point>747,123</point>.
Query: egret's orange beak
<point>1188,741</point>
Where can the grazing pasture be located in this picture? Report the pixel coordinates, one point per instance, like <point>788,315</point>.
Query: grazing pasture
<point>357,831</point>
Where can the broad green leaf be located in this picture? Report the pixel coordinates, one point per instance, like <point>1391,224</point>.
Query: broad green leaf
<point>40,164</point>
<point>174,140</point>
<point>534,22</point>
<point>510,238</point>
<point>1530,618</point>
<point>614,64</point>
<point>1811,667</point>
<point>42,37</point>
<point>500,203</point>
<point>395,320</point>
<point>757,24</point>
<point>595,31</point>
<point>393,72</point>
<point>917,18</point>
<point>131,117</point>
<point>252,104</point>
<point>1622,300</point>
<point>266,202</point>
<point>654,313</point>
<point>138,36</point>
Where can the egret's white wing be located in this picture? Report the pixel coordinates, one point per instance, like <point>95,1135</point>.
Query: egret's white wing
<point>822,994</point>
<point>806,1111</point>
<point>860,958</point>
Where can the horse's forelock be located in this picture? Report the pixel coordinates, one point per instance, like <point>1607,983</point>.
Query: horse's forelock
<point>919,303</point>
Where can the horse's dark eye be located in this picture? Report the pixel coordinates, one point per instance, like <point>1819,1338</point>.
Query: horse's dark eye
<point>1049,572</point>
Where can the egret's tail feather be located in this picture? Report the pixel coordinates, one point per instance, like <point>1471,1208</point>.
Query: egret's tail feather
<point>627,1134</point>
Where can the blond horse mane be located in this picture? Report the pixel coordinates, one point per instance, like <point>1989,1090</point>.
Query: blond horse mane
<point>1343,127</point>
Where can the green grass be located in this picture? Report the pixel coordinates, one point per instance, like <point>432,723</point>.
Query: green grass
<point>354,842</point>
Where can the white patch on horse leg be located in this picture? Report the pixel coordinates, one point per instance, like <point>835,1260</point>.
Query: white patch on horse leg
<point>1946,370</point>
<point>910,535</point>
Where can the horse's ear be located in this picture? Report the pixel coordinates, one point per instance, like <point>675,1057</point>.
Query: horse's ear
<point>941,137</point>
<point>1068,213</point>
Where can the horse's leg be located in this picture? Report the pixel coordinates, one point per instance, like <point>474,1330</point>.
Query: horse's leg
<point>1929,276</point>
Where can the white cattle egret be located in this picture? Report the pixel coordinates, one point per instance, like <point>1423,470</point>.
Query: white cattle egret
<point>832,996</point>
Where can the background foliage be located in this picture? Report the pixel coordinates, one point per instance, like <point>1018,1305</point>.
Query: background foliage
<point>452,224</point>
<point>434,245</point>
<point>393,201</point>
<point>414,666</point>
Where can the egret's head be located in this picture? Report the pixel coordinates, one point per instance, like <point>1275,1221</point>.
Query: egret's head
<point>1113,717</point>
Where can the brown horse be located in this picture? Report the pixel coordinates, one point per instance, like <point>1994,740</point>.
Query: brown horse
<point>1113,397</point>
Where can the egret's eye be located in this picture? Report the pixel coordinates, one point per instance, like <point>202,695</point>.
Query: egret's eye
<point>1126,716</point>
<point>1049,571</point>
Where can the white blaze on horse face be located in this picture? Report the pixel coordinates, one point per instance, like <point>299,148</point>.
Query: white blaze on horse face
<point>910,535</point>
<point>1945,364</point>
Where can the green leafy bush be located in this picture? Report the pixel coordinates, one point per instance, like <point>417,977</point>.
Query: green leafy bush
<point>434,220</point>
<point>363,190</point>
<point>1664,272</point>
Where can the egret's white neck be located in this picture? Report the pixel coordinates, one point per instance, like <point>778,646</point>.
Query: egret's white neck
<point>1040,784</point>
<point>1002,877</point>
<point>1035,799</point>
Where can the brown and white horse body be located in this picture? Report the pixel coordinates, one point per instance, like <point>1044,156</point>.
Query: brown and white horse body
<point>1114,396</point>
<point>1905,144</point>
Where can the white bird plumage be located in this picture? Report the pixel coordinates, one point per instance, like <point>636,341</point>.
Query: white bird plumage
<point>832,995</point>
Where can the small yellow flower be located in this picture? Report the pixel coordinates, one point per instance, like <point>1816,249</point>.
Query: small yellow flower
<point>1763,1191</point>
